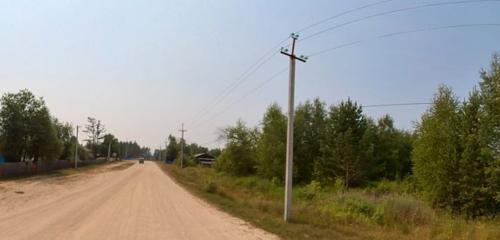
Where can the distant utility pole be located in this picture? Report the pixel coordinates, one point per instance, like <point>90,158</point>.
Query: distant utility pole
<point>166,146</point>
<point>126,150</point>
<point>289,138</point>
<point>76,148</point>
<point>109,149</point>
<point>159,154</point>
<point>182,130</point>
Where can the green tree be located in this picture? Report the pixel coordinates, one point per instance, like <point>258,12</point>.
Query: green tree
<point>271,147</point>
<point>392,151</point>
<point>437,150</point>
<point>309,134</point>
<point>65,134</point>
<point>343,155</point>
<point>95,130</point>
<point>239,154</point>
<point>27,129</point>
<point>107,140</point>
<point>474,197</point>
<point>172,148</point>
<point>490,132</point>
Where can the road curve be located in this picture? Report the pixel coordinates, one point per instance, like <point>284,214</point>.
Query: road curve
<point>140,202</point>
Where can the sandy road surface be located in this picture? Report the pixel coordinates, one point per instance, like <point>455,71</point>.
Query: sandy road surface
<point>140,202</point>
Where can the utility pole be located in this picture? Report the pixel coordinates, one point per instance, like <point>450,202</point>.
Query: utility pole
<point>109,149</point>
<point>159,154</point>
<point>76,148</point>
<point>166,151</point>
<point>126,150</point>
<point>289,138</point>
<point>182,130</point>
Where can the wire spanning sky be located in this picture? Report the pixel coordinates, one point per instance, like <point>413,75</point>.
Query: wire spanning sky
<point>144,67</point>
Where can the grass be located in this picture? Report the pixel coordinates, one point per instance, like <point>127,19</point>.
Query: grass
<point>384,211</point>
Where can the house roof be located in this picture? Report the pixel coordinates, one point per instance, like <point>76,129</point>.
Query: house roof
<point>204,155</point>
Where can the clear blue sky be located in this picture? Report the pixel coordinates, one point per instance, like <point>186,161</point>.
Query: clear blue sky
<point>144,67</point>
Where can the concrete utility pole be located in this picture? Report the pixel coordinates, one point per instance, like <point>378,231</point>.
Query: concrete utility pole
<point>289,139</point>
<point>166,147</point>
<point>159,154</point>
<point>182,130</point>
<point>76,148</point>
<point>109,149</point>
<point>126,150</point>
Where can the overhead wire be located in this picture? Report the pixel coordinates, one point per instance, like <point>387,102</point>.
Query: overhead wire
<point>217,103</point>
<point>252,91</point>
<point>396,104</point>
<point>393,34</point>
<point>448,3</point>
<point>341,14</point>
<point>242,77</point>
<point>262,60</point>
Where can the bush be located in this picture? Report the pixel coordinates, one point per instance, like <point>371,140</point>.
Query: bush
<point>407,186</point>
<point>401,210</point>
<point>351,208</point>
<point>310,191</point>
<point>211,187</point>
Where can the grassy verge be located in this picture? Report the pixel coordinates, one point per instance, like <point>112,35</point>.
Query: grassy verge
<point>328,213</point>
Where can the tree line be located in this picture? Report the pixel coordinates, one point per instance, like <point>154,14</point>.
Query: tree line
<point>453,153</point>
<point>28,132</point>
<point>172,151</point>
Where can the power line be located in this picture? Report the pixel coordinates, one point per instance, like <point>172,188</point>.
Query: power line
<point>253,90</point>
<point>247,73</point>
<point>393,12</point>
<point>342,14</point>
<point>403,33</point>
<point>214,105</point>
<point>396,104</point>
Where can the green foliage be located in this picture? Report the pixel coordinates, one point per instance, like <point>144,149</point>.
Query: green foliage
<point>26,128</point>
<point>239,154</point>
<point>402,210</point>
<point>211,187</point>
<point>437,150</point>
<point>490,132</point>
<point>65,134</point>
<point>392,151</point>
<point>406,186</point>
<point>172,148</point>
<point>456,150</point>
<point>309,135</point>
<point>271,147</point>
<point>326,213</point>
<point>311,190</point>
<point>343,152</point>
<point>95,130</point>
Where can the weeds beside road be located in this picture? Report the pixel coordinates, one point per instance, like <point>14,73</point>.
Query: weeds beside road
<point>377,213</point>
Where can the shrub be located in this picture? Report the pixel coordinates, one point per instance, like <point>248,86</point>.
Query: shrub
<point>310,191</point>
<point>401,210</point>
<point>211,187</point>
<point>406,186</point>
<point>351,208</point>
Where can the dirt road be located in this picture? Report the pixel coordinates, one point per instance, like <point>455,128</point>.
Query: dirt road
<point>140,202</point>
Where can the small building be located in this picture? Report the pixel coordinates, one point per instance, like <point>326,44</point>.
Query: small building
<point>204,159</point>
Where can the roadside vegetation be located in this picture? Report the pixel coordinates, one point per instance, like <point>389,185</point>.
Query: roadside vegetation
<point>387,210</point>
<point>29,133</point>
<point>356,177</point>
